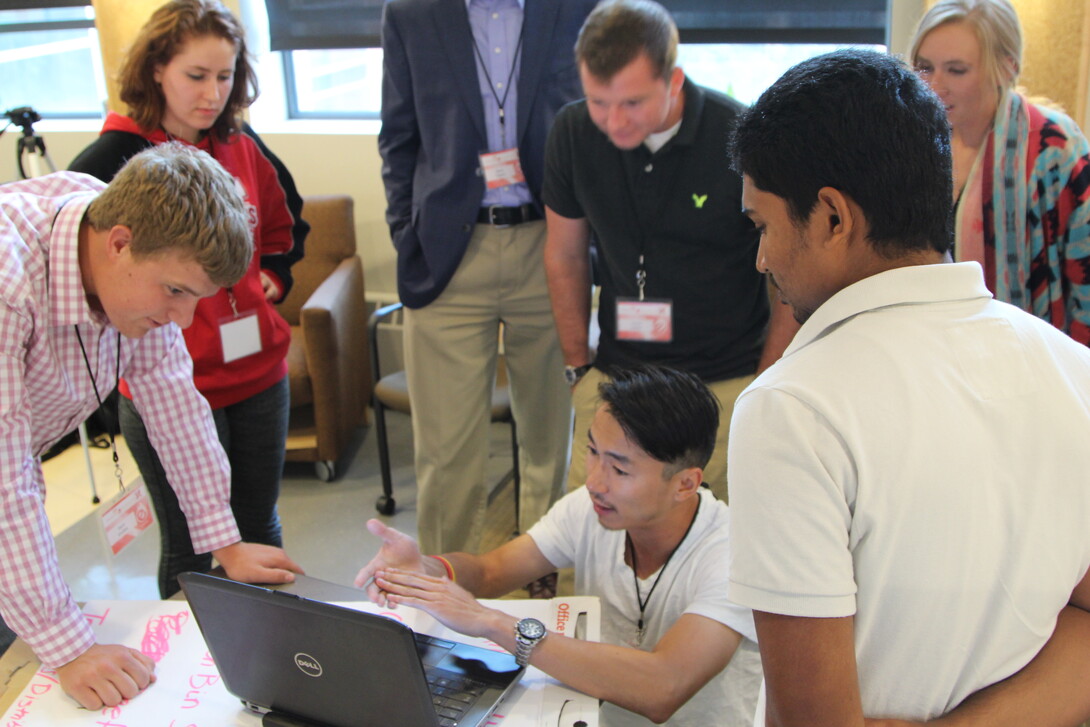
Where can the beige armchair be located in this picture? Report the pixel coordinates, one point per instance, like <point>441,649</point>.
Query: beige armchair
<point>328,367</point>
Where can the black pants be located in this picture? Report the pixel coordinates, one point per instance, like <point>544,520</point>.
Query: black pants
<point>6,636</point>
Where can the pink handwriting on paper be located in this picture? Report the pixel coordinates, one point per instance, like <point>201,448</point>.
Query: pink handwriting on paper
<point>110,723</point>
<point>43,682</point>
<point>96,619</point>
<point>156,642</point>
<point>200,683</point>
<point>112,713</point>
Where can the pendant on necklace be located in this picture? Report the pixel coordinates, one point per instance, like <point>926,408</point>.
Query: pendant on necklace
<point>639,634</point>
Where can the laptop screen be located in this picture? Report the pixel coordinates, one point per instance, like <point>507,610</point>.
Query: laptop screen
<point>335,666</point>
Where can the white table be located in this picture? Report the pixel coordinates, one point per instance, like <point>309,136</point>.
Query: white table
<point>188,690</point>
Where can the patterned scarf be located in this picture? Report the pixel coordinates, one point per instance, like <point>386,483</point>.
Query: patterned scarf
<point>1006,188</point>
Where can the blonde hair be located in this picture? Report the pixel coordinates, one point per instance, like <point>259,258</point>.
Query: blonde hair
<point>996,26</point>
<point>176,198</point>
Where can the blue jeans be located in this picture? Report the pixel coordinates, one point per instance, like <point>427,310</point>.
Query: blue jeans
<point>253,433</point>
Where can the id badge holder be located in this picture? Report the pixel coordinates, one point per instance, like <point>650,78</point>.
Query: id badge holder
<point>650,320</point>
<point>125,517</point>
<point>240,334</point>
<point>502,168</point>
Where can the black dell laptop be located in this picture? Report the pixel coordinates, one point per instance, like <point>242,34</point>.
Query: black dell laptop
<point>304,662</point>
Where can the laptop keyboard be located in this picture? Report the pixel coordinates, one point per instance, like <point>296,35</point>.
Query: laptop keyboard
<point>452,694</point>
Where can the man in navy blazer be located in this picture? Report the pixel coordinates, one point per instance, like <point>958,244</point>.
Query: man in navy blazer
<point>470,89</point>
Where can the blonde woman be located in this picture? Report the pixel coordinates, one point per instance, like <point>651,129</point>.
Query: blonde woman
<point>1021,170</point>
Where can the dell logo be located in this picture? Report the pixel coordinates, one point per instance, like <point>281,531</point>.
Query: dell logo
<point>308,665</point>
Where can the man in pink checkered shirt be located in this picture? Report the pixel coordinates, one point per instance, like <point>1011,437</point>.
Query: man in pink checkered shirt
<point>97,282</point>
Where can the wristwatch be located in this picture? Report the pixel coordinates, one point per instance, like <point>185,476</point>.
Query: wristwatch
<point>572,374</point>
<point>528,632</point>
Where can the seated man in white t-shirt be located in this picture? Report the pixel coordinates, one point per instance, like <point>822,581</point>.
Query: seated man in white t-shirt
<point>645,537</point>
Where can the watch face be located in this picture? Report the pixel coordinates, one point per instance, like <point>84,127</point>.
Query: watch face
<point>531,628</point>
<point>574,373</point>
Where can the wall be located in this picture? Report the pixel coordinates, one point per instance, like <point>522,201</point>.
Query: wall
<point>117,22</point>
<point>903,17</point>
<point>347,164</point>
<point>1046,27</point>
<point>1083,104</point>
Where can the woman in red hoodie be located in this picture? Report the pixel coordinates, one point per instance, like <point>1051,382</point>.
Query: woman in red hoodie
<point>186,78</point>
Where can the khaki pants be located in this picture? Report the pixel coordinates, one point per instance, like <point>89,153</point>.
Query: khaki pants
<point>585,402</point>
<point>451,349</point>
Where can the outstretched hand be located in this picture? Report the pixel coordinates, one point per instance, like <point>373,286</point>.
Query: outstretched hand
<point>442,598</point>
<point>398,551</point>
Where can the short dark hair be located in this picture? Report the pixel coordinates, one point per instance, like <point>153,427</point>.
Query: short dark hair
<point>671,415</point>
<point>863,123</point>
<point>617,31</point>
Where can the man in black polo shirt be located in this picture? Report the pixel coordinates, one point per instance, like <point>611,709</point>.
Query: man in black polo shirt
<point>642,161</point>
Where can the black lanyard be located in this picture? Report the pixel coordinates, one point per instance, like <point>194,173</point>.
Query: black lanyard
<point>94,385</point>
<point>642,602</point>
<point>506,89</point>
<point>646,224</point>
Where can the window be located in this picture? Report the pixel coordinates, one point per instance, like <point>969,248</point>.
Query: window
<point>334,83</point>
<point>49,59</point>
<point>347,83</point>
<point>744,70</point>
<point>738,48</point>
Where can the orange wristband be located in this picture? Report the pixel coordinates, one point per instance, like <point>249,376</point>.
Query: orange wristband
<point>447,566</point>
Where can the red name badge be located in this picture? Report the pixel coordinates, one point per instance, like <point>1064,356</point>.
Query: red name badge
<point>502,168</point>
<point>645,320</point>
<point>125,517</point>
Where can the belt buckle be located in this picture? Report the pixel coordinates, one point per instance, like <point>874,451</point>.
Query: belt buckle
<point>492,216</point>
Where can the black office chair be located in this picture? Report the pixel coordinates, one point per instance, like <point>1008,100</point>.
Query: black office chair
<point>391,391</point>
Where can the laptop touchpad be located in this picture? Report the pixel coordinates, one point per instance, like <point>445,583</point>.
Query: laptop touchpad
<point>432,650</point>
<point>478,664</point>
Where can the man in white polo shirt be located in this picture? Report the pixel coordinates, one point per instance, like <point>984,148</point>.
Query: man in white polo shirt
<point>909,492</point>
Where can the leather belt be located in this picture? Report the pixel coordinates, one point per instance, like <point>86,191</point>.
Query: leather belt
<point>507,216</point>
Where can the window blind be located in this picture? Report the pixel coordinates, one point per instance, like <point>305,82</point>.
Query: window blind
<point>318,24</point>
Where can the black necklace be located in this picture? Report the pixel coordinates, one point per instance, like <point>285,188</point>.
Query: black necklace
<point>642,602</point>
<point>501,102</point>
<point>94,385</point>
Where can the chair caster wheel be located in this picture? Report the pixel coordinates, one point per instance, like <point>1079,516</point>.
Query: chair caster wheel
<point>325,470</point>
<point>385,505</point>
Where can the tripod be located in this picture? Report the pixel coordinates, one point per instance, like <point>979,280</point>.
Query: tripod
<point>30,155</point>
<point>32,158</point>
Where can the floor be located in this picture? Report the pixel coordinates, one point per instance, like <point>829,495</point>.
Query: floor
<point>323,522</point>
